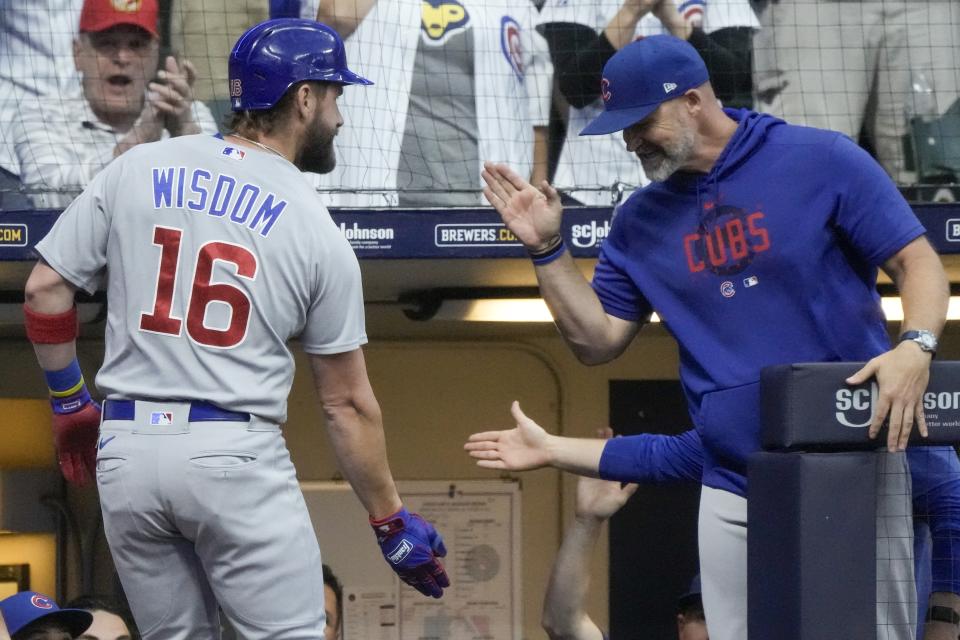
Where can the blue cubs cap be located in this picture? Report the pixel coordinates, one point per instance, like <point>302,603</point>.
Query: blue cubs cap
<point>24,608</point>
<point>642,76</point>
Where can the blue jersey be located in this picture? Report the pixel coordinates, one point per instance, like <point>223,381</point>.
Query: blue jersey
<point>934,472</point>
<point>771,258</point>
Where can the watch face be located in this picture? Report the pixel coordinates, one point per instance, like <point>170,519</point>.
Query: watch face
<point>926,339</point>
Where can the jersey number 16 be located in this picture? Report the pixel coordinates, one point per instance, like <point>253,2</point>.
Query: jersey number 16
<point>202,293</point>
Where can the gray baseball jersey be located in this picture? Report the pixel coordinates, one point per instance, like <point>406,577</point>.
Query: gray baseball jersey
<point>215,256</point>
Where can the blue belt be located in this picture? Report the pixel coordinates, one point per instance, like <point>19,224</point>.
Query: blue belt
<point>199,412</point>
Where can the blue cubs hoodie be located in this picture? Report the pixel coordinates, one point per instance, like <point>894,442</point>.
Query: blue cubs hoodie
<point>769,258</point>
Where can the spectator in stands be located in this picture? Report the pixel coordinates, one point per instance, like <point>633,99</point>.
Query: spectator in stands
<point>332,604</point>
<point>454,83</point>
<point>852,65</point>
<point>126,101</point>
<point>564,617</point>
<point>35,63</point>
<point>583,35</point>
<point>34,616</point>
<point>112,619</point>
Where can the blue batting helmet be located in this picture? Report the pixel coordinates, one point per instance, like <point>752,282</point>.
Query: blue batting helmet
<point>274,55</point>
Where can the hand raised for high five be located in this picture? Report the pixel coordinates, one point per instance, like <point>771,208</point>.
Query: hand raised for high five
<point>533,215</point>
<point>529,446</point>
<point>519,449</point>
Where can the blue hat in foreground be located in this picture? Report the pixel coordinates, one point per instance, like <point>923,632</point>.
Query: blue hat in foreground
<point>27,607</point>
<point>642,76</point>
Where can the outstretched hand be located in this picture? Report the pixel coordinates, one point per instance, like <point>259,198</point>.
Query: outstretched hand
<point>532,214</point>
<point>520,449</point>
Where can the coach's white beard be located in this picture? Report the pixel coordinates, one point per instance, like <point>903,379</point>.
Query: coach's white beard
<point>661,166</point>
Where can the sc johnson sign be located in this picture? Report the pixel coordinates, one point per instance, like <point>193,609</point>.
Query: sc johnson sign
<point>855,406</point>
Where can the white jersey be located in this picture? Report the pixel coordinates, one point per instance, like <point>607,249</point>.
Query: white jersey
<point>215,256</point>
<point>384,47</point>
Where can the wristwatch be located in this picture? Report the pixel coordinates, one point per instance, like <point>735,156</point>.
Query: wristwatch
<point>942,614</point>
<point>926,339</point>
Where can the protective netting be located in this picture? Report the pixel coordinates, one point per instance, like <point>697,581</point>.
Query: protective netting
<point>460,82</point>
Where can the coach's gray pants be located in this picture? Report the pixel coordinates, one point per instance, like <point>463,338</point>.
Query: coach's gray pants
<point>723,557</point>
<point>203,513</point>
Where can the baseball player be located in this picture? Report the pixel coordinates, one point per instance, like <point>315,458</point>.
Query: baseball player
<point>216,251</point>
<point>758,242</point>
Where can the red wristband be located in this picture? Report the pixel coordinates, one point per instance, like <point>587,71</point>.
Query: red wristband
<point>55,328</point>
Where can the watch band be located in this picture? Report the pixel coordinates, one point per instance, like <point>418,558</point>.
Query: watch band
<point>942,614</point>
<point>926,340</point>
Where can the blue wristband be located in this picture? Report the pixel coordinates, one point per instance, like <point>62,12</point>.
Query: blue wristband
<point>549,254</point>
<point>72,403</point>
<point>66,381</point>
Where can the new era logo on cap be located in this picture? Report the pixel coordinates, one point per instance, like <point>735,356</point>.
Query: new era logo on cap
<point>669,86</point>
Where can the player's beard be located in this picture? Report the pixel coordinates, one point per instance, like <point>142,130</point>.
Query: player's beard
<point>662,164</point>
<point>318,155</point>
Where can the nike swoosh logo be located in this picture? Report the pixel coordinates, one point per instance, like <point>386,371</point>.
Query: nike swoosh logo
<point>105,441</point>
